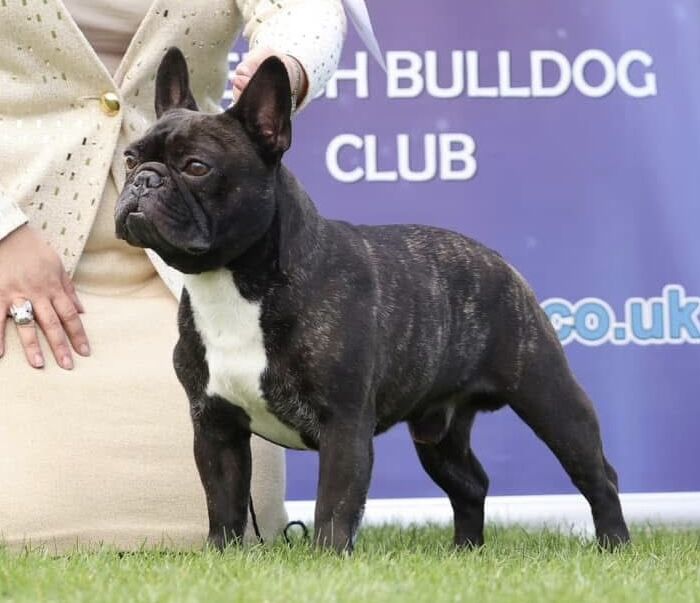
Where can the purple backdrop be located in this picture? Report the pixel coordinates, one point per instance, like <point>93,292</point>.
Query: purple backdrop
<point>590,190</point>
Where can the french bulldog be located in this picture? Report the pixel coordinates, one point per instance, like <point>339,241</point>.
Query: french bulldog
<point>319,334</point>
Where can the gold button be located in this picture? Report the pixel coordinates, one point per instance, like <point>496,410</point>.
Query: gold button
<point>109,102</point>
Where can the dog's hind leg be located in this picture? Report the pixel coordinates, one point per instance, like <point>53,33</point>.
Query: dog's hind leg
<point>452,466</point>
<point>551,402</point>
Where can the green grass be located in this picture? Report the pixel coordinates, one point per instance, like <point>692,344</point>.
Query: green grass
<point>390,564</point>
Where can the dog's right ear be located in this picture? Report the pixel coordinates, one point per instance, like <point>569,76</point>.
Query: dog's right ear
<point>173,83</point>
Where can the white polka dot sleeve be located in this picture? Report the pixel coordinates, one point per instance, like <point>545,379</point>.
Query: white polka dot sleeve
<point>11,216</point>
<point>312,31</point>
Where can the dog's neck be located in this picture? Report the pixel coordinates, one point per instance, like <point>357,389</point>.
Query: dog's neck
<point>296,232</point>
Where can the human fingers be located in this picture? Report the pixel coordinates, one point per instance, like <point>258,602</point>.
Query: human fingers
<point>69,316</point>
<point>29,339</point>
<point>51,325</point>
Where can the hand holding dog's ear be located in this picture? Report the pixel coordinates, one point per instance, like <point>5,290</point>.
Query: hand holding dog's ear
<point>264,108</point>
<point>173,83</point>
<point>252,61</point>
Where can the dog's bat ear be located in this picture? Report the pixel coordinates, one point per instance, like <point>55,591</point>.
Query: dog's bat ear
<point>264,108</point>
<point>173,83</point>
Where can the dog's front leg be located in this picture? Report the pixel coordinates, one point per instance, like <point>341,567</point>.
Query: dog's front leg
<point>222,453</point>
<point>345,451</point>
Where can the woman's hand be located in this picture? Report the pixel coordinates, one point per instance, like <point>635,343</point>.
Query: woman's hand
<point>31,270</point>
<point>246,68</point>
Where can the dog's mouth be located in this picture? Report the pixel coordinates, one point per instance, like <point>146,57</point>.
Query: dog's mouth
<point>136,229</point>
<point>129,222</point>
<point>134,216</point>
<point>140,231</point>
<point>137,221</point>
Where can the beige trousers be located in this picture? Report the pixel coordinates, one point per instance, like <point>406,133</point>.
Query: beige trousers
<point>103,453</point>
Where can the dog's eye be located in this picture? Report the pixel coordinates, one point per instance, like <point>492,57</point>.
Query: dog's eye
<point>196,168</point>
<point>131,162</point>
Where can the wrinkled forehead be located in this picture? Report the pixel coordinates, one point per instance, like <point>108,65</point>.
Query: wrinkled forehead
<point>180,131</point>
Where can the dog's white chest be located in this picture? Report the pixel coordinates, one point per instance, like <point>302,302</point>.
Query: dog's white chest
<point>229,326</point>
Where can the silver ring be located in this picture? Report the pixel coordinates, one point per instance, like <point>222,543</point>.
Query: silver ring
<point>22,314</point>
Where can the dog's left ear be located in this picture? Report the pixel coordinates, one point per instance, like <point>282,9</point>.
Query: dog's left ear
<point>173,83</point>
<point>265,108</point>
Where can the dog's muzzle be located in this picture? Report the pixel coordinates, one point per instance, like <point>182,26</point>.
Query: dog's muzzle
<point>129,208</point>
<point>143,220</point>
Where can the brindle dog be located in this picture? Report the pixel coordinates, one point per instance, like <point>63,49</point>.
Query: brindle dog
<point>320,334</point>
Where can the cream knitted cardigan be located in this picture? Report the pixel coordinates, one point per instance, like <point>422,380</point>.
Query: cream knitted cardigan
<point>59,143</point>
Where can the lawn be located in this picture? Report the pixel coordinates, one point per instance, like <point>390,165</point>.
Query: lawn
<point>390,564</point>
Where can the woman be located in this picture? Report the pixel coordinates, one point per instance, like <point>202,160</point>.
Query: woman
<point>95,443</point>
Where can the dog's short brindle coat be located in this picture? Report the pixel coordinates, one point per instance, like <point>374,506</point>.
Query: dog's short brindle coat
<point>320,334</point>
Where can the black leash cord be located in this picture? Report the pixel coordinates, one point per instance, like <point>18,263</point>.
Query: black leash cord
<point>256,528</point>
<point>255,521</point>
<point>295,523</point>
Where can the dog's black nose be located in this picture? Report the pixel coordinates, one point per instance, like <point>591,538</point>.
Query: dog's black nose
<point>148,179</point>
